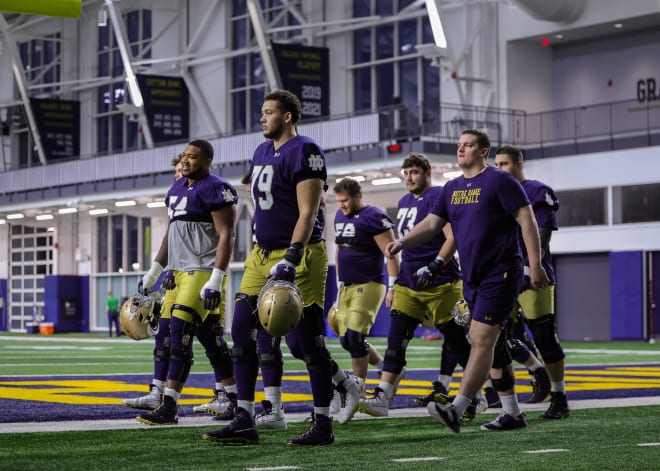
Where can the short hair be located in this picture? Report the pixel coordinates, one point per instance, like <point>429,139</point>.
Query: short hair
<point>204,146</point>
<point>482,138</point>
<point>417,160</point>
<point>175,160</point>
<point>348,186</point>
<point>514,153</point>
<point>287,102</point>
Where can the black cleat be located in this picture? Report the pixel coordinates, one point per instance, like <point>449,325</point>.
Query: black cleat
<point>446,415</point>
<point>540,387</point>
<point>230,412</point>
<point>505,422</point>
<point>240,431</point>
<point>558,407</point>
<point>423,401</point>
<point>319,432</point>
<point>165,414</point>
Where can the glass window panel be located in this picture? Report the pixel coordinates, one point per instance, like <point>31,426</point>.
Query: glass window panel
<point>104,67</point>
<point>131,135</point>
<point>16,297</point>
<point>102,244</point>
<point>239,33</point>
<point>28,242</point>
<point>257,95</point>
<point>407,37</point>
<point>385,7</point>
<point>146,24</point>
<point>29,256</point>
<point>28,230</point>
<point>117,65</point>
<point>28,297</point>
<point>582,207</point>
<point>17,229</point>
<point>117,132</point>
<point>385,39</point>
<point>40,296</point>
<point>363,90</point>
<point>42,241</point>
<point>238,111</point>
<point>361,8</point>
<point>118,245</point>
<point>258,73</point>
<point>28,270</point>
<point>42,269</point>
<point>24,50</point>
<point>385,74</point>
<point>16,284</point>
<point>104,37</point>
<point>132,239</point>
<point>102,135</point>
<point>362,45</point>
<point>133,26</point>
<point>240,72</point>
<point>636,203</point>
<point>28,283</point>
<point>16,256</point>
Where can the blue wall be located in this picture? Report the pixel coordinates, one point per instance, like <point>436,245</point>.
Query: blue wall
<point>67,302</point>
<point>4,313</point>
<point>626,295</point>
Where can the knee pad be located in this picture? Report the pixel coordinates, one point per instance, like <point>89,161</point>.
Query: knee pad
<point>455,341</point>
<point>502,356</point>
<point>271,359</point>
<point>162,352</point>
<point>544,330</point>
<point>219,353</point>
<point>181,352</point>
<point>402,329</point>
<point>505,382</point>
<point>245,355</point>
<point>319,357</point>
<point>355,343</point>
<point>518,350</point>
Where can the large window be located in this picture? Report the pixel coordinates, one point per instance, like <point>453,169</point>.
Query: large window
<point>123,244</point>
<point>114,130</point>
<point>384,74</point>
<point>636,203</point>
<point>582,207</point>
<point>248,85</point>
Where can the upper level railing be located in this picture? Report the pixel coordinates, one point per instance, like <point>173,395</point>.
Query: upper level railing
<point>571,131</point>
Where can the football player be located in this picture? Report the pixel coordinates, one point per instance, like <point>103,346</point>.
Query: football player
<point>538,305</point>
<point>428,285</point>
<point>197,248</point>
<point>361,233</point>
<point>486,207</point>
<point>288,178</point>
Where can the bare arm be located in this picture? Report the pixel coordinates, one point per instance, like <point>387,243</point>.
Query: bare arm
<point>422,232</point>
<point>448,249</point>
<point>223,222</point>
<point>383,240</point>
<point>308,193</point>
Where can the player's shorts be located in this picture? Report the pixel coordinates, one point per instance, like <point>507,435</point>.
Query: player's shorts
<point>186,293</point>
<point>492,300</point>
<point>536,303</point>
<point>438,301</point>
<point>310,274</point>
<point>358,306</point>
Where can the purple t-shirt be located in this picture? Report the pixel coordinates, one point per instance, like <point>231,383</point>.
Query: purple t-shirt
<point>358,255</point>
<point>545,205</point>
<point>411,211</point>
<point>480,210</point>
<point>274,176</point>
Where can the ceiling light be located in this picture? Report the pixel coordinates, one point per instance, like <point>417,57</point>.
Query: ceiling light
<point>156,204</point>
<point>2,221</point>
<point>559,36</point>
<point>452,174</point>
<point>51,229</point>
<point>436,23</point>
<point>618,25</point>
<point>67,210</point>
<point>357,178</point>
<point>96,212</point>
<point>121,204</point>
<point>385,181</point>
<point>15,216</point>
<point>44,217</point>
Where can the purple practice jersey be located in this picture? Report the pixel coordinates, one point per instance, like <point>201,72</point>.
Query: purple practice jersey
<point>359,258</point>
<point>274,176</point>
<point>545,205</point>
<point>481,212</point>
<point>411,210</point>
<point>192,238</point>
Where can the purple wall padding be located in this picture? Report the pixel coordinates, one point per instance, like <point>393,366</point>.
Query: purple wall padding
<point>626,295</point>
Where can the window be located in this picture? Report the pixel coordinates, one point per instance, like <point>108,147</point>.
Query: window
<point>248,84</point>
<point>114,131</point>
<point>123,243</point>
<point>636,203</point>
<point>582,207</point>
<point>385,78</point>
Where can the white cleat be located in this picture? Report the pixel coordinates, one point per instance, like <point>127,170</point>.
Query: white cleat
<point>149,401</point>
<point>269,418</point>
<point>376,406</point>
<point>217,405</point>
<point>350,390</point>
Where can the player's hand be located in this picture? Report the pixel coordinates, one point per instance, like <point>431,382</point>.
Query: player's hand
<point>150,278</point>
<point>283,270</point>
<point>427,275</point>
<point>168,280</point>
<point>211,292</point>
<point>538,277</point>
<point>393,248</point>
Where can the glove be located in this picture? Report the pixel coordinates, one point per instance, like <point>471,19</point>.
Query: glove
<point>286,269</point>
<point>527,282</point>
<point>168,280</point>
<point>211,292</point>
<point>425,276</point>
<point>150,278</point>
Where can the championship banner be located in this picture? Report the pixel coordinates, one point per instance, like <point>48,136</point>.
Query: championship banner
<point>166,106</point>
<point>305,71</point>
<point>58,123</point>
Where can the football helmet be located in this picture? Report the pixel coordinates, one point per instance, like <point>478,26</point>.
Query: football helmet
<point>139,315</point>
<point>332,320</point>
<point>279,306</point>
<point>461,313</point>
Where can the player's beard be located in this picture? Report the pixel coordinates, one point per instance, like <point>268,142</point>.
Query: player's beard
<point>276,132</point>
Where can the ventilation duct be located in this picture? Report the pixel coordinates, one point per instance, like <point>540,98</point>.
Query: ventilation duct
<point>558,11</point>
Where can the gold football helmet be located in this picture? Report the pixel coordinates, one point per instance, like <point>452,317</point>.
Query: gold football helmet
<point>332,320</point>
<point>279,306</point>
<point>139,315</point>
<point>461,313</point>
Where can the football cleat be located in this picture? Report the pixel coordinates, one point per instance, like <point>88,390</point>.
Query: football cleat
<point>558,407</point>
<point>438,388</point>
<point>376,406</point>
<point>149,401</point>
<point>165,414</point>
<point>540,386</point>
<point>505,422</point>
<point>493,398</point>
<point>446,415</point>
<point>482,403</point>
<point>349,389</point>
<point>230,412</point>
<point>240,431</point>
<point>269,418</point>
<point>217,405</point>
<point>319,433</point>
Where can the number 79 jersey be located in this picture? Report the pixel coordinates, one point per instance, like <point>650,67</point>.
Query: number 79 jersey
<point>274,175</point>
